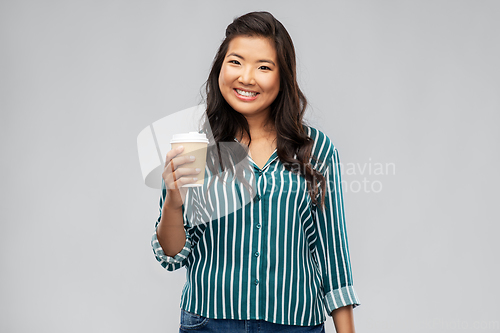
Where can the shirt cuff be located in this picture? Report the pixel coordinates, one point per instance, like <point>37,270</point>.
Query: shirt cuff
<point>340,297</point>
<point>167,260</point>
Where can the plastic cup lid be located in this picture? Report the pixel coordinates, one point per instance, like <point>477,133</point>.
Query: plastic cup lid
<point>189,137</point>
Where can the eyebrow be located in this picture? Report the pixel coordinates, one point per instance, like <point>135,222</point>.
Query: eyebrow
<point>263,60</point>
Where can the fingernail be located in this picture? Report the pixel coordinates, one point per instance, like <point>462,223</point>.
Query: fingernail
<point>198,169</point>
<point>191,158</point>
<point>195,179</point>
<point>180,147</point>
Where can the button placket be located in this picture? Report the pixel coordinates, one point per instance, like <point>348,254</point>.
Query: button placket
<point>257,198</point>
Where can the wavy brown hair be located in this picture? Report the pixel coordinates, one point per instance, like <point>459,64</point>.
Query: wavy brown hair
<point>294,146</point>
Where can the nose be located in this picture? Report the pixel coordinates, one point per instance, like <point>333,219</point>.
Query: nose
<point>246,76</point>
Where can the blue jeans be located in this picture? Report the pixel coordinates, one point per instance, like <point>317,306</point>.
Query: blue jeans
<point>191,322</point>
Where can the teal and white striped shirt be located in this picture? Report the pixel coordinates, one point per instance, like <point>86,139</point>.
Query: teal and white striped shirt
<point>279,258</point>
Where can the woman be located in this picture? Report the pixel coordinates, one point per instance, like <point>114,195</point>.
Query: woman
<point>272,258</point>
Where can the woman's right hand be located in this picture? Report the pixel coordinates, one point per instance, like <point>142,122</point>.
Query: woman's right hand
<point>174,176</point>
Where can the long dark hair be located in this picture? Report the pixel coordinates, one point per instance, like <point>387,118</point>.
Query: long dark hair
<point>223,123</point>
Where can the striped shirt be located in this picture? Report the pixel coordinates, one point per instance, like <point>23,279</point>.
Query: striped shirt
<point>276,257</point>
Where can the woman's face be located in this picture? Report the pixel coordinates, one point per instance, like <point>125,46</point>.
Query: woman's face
<point>249,78</point>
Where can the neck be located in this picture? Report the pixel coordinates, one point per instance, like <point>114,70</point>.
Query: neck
<point>260,129</point>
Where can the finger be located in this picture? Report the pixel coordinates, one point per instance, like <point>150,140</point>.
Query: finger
<point>177,185</point>
<point>181,173</point>
<point>173,153</point>
<point>180,160</point>
<point>186,172</point>
<point>175,160</point>
<point>187,180</point>
<point>173,171</point>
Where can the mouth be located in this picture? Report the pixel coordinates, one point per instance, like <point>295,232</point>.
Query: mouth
<point>245,95</point>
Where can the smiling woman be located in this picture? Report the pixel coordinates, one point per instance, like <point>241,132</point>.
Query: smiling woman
<point>282,259</point>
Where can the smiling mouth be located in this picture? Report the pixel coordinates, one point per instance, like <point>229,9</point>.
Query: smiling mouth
<point>246,93</point>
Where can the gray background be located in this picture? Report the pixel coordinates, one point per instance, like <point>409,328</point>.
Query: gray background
<point>413,83</point>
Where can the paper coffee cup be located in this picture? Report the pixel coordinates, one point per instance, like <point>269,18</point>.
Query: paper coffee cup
<point>195,144</point>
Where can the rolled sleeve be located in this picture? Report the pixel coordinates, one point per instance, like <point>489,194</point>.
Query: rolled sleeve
<point>332,248</point>
<point>171,263</point>
<point>181,258</point>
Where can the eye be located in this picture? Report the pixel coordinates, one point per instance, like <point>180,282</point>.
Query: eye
<point>236,62</point>
<point>265,68</point>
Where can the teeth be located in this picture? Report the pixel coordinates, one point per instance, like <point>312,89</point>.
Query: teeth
<point>246,93</point>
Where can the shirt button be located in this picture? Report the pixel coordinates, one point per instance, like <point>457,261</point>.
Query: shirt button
<point>257,253</point>
<point>257,197</point>
<point>256,281</point>
<point>258,226</point>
